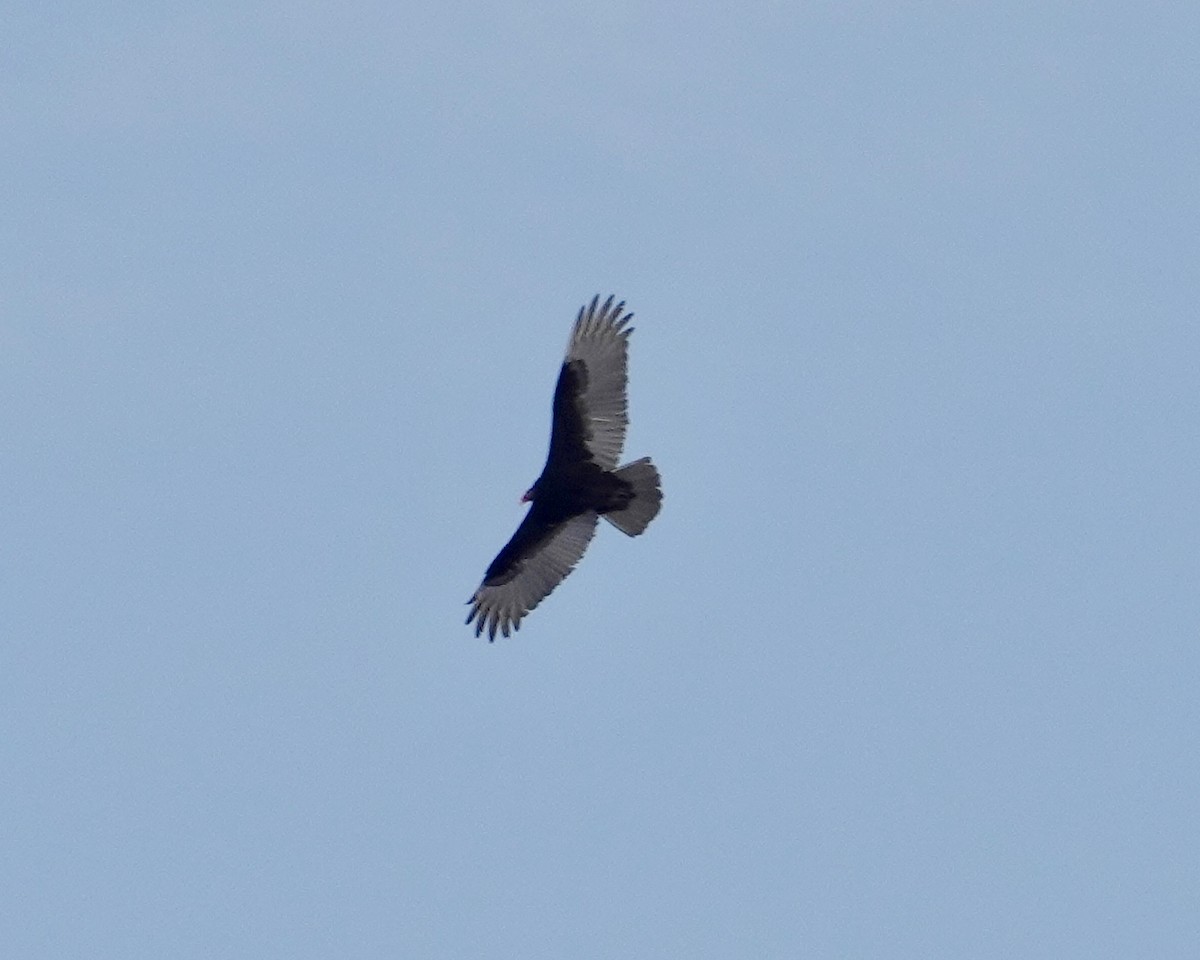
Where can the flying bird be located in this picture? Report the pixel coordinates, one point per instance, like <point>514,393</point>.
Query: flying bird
<point>580,482</point>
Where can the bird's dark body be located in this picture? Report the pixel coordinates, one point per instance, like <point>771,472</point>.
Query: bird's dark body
<point>570,484</point>
<point>557,497</point>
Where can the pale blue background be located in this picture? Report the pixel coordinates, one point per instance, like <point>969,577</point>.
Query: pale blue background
<point>906,668</point>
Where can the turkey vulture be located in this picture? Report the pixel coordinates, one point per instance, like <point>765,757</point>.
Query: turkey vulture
<point>580,482</point>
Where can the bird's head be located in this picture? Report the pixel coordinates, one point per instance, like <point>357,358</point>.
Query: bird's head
<point>529,495</point>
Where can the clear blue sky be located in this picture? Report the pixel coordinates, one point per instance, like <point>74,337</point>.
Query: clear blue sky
<point>906,668</point>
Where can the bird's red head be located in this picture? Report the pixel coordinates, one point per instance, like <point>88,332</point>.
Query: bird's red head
<point>527,496</point>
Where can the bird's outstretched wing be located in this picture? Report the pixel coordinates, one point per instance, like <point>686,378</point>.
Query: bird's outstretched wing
<point>535,561</point>
<point>590,407</point>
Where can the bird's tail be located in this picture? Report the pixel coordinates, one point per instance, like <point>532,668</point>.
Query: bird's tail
<point>647,497</point>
